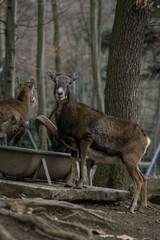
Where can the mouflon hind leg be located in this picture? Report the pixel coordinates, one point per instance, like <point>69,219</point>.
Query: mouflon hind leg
<point>131,164</point>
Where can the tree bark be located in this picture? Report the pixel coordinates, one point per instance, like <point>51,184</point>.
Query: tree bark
<point>121,91</point>
<point>124,61</point>
<point>10,48</point>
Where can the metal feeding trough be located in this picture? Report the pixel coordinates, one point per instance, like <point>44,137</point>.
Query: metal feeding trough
<point>31,163</point>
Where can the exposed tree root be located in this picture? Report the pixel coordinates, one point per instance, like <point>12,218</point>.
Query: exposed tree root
<point>4,234</point>
<point>153,206</point>
<point>41,224</point>
<point>51,225</point>
<point>81,227</point>
<point>53,203</point>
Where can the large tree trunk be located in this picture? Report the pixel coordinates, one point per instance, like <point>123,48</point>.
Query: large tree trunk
<point>56,37</point>
<point>10,48</point>
<point>121,92</point>
<point>40,68</point>
<point>98,94</point>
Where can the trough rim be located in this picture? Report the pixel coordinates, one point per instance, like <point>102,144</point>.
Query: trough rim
<point>34,151</point>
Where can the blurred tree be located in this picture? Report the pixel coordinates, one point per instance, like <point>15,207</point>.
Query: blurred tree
<point>10,48</point>
<point>123,79</point>
<point>95,26</point>
<point>56,36</point>
<point>40,67</point>
<point>2,49</point>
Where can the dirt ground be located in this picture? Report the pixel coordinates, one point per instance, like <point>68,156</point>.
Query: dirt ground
<point>46,219</point>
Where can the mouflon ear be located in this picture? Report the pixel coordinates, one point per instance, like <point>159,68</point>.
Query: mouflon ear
<point>52,76</point>
<point>75,76</point>
<point>18,82</point>
<point>32,82</point>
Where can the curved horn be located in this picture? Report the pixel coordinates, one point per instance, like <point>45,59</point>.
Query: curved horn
<point>43,120</point>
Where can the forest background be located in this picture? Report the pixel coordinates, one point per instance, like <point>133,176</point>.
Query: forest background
<point>59,36</point>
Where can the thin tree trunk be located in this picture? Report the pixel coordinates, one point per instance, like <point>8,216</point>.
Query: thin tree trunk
<point>156,128</point>
<point>121,92</point>
<point>2,55</point>
<point>98,92</point>
<point>40,67</point>
<point>10,48</point>
<point>56,37</point>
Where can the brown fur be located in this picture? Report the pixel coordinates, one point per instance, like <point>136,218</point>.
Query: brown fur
<point>102,133</point>
<point>19,108</point>
<point>10,129</point>
<point>21,103</point>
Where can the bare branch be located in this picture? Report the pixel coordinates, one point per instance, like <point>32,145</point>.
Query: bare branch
<point>47,22</point>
